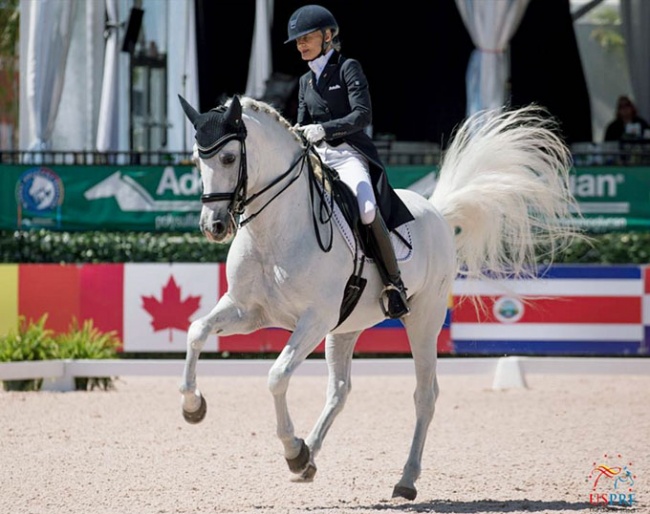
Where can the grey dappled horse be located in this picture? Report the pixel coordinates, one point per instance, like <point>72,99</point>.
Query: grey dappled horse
<point>502,194</point>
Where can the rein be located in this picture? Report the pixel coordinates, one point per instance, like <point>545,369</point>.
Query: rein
<point>328,177</point>
<point>299,161</point>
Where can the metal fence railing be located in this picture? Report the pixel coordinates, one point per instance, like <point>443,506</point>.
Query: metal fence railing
<point>74,158</point>
<point>393,153</point>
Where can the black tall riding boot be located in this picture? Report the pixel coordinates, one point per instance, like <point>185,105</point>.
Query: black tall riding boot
<point>394,293</point>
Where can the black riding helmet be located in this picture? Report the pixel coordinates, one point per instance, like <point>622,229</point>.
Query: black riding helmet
<point>308,19</point>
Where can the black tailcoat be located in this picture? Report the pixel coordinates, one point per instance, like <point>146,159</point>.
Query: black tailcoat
<point>340,102</point>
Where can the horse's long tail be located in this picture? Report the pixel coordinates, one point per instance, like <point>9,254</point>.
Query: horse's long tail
<point>504,188</point>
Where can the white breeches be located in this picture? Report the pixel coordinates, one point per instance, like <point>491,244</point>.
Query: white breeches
<point>353,170</point>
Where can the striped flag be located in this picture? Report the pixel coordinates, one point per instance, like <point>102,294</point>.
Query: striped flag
<point>569,310</point>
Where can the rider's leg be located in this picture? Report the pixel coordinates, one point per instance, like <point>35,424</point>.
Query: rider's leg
<point>353,171</point>
<point>395,292</point>
<point>394,300</point>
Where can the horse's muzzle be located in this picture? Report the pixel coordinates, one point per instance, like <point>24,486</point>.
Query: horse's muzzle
<point>217,230</point>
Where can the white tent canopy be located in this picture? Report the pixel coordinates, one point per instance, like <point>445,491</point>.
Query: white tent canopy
<point>57,86</point>
<point>49,34</point>
<point>260,65</point>
<point>491,25</point>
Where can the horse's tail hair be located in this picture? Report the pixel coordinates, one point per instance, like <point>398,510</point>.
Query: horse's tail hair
<point>504,188</point>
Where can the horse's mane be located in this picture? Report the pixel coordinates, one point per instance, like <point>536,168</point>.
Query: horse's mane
<point>254,105</point>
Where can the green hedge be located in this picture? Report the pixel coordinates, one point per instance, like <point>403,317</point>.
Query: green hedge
<point>42,246</point>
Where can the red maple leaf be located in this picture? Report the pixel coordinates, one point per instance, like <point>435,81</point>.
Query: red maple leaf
<point>170,312</point>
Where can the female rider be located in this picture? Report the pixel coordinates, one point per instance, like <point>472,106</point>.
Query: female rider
<point>334,111</point>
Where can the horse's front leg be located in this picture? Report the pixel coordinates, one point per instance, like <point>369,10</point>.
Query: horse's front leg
<point>226,318</point>
<point>338,354</point>
<point>310,330</point>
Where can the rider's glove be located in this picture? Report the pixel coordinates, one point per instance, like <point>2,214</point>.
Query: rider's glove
<point>313,133</point>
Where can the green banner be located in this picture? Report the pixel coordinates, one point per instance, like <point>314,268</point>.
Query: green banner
<point>138,198</point>
<point>166,198</point>
<point>610,198</point>
<point>401,177</point>
<point>613,198</point>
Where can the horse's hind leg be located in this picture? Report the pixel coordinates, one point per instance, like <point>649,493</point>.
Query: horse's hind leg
<point>338,354</point>
<point>423,326</point>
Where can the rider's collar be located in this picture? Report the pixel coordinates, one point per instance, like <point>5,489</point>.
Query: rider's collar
<point>318,64</point>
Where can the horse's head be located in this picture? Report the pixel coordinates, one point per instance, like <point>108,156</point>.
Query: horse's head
<point>220,144</point>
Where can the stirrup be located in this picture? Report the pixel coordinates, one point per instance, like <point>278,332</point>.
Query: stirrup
<point>393,302</point>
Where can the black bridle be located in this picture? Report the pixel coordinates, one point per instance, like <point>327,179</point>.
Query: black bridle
<point>239,198</point>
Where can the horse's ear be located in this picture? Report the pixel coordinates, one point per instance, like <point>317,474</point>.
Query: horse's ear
<point>190,111</point>
<point>233,114</point>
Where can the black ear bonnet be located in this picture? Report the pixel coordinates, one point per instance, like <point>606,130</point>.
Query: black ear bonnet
<point>216,127</point>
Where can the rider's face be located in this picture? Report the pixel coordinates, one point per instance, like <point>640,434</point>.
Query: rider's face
<point>310,45</point>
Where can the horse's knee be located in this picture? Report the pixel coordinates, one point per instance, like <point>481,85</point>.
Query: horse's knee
<point>277,381</point>
<point>197,334</point>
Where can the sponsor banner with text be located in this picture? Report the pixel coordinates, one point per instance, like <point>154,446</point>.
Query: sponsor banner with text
<point>74,198</point>
<point>166,198</point>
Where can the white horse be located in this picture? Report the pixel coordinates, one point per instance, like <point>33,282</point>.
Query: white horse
<point>502,195</point>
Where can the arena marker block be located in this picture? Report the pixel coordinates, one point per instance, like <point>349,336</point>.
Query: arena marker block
<point>508,374</point>
<point>63,383</point>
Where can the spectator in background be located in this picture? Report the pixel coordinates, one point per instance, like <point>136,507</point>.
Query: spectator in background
<point>628,125</point>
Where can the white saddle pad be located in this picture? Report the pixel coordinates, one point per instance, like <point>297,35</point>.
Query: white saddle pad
<point>402,252</point>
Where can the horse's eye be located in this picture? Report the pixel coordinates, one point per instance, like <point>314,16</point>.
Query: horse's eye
<point>227,158</point>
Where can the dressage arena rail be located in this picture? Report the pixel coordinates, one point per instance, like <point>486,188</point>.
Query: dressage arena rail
<point>507,372</point>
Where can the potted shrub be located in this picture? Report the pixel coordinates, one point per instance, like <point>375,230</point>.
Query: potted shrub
<point>87,342</point>
<point>30,342</point>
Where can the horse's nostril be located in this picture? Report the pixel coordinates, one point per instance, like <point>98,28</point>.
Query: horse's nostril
<point>218,227</point>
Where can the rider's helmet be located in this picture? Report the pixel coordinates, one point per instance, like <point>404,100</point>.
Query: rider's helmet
<point>308,19</point>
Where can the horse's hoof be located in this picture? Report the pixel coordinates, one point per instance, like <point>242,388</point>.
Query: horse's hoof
<point>299,463</point>
<point>405,492</point>
<point>309,472</point>
<point>198,415</point>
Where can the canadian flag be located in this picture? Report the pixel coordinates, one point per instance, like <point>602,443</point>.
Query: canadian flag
<point>160,302</point>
